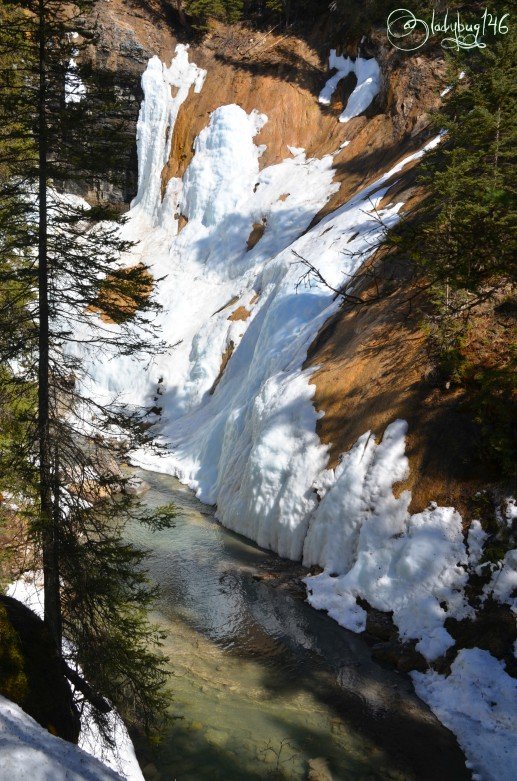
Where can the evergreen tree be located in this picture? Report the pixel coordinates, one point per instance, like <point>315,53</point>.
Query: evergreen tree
<point>61,292</point>
<point>464,235</point>
<point>462,240</point>
<point>470,237</point>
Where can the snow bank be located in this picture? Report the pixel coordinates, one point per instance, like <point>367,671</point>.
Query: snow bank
<point>368,75</point>
<point>30,752</point>
<point>371,547</point>
<point>475,542</point>
<point>478,702</point>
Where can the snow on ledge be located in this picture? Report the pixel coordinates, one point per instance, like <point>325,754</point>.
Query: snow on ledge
<point>368,85</point>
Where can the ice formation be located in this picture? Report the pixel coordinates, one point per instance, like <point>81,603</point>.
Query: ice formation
<point>368,84</point>
<point>250,444</point>
<point>75,89</point>
<point>156,121</point>
<point>371,547</point>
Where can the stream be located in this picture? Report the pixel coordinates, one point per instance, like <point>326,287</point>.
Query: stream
<point>262,683</point>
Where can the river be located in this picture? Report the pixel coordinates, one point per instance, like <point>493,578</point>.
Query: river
<point>262,683</point>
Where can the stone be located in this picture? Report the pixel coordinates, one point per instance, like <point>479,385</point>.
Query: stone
<point>151,772</point>
<point>216,737</point>
<point>318,770</point>
<point>135,486</point>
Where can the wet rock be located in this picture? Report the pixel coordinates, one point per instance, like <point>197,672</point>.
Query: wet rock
<point>135,486</point>
<point>216,737</point>
<point>318,770</point>
<point>379,625</point>
<point>402,656</point>
<point>151,772</point>
<point>336,726</point>
<point>259,576</point>
<point>412,660</point>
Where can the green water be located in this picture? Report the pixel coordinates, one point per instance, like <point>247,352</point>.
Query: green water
<point>261,683</point>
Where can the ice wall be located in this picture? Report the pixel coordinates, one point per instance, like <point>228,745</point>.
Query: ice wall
<point>249,444</point>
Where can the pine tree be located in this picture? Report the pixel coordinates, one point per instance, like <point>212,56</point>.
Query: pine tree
<point>464,234</point>
<point>61,290</point>
<point>471,176</point>
<point>462,241</point>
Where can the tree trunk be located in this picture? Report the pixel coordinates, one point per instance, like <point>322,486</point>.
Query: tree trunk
<point>49,525</point>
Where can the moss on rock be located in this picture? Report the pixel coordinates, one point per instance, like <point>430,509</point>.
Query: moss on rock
<point>30,671</point>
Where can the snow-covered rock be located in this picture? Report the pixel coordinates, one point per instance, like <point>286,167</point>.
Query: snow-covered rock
<point>368,75</point>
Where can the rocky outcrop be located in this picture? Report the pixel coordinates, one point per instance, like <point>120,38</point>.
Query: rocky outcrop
<point>30,671</point>
<point>276,73</point>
